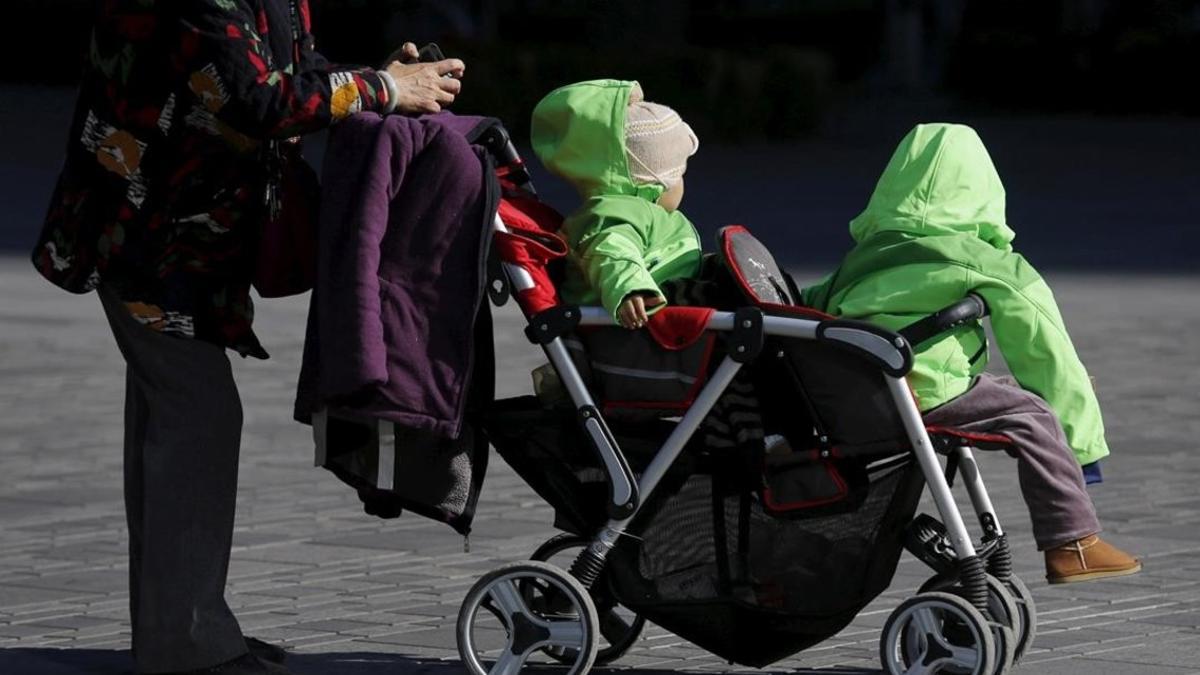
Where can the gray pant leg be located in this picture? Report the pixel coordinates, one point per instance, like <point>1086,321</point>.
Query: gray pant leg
<point>183,436</point>
<point>1051,480</point>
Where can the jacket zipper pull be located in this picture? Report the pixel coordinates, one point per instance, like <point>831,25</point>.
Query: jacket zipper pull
<point>466,543</point>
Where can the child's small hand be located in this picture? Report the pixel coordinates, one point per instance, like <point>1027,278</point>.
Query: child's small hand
<point>632,312</point>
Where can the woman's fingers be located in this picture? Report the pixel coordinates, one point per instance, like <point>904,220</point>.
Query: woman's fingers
<point>452,67</point>
<point>421,87</point>
<point>409,53</point>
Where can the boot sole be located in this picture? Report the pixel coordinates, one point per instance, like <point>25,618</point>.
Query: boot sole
<point>1092,576</point>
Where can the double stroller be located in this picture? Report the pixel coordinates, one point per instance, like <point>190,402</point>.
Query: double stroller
<point>753,554</point>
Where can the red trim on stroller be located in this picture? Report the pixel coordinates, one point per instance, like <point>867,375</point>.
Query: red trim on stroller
<point>996,439</point>
<point>842,489</point>
<point>676,328</point>
<point>531,243</point>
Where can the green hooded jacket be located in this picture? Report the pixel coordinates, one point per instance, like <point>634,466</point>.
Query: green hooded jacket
<point>620,240</point>
<point>934,231</point>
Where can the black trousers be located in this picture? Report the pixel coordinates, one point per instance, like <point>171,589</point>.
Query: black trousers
<point>183,427</point>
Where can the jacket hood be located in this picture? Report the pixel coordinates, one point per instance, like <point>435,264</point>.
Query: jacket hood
<point>578,133</point>
<point>939,181</point>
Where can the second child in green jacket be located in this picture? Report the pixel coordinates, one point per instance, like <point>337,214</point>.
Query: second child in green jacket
<point>934,231</point>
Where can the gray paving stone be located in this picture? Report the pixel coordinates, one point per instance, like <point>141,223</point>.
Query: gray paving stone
<point>19,596</point>
<point>1088,666</point>
<point>357,596</point>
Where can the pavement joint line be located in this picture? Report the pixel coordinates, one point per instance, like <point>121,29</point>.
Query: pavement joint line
<point>1130,610</point>
<point>1115,649</point>
<point>1151,616</point>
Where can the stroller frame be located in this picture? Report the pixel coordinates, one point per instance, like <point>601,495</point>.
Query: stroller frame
<point>996,614</point>
<point>626,491</point>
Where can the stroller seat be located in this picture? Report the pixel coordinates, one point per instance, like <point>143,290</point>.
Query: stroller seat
<point>763,282</point>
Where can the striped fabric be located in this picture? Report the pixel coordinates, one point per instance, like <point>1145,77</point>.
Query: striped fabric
<point>736,419</point>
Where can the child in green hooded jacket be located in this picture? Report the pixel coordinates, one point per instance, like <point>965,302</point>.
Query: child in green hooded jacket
<point>933,232</point>
<point>631,249</point>
<point>626,157</point>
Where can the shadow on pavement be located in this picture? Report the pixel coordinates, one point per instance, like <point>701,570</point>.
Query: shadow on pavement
<point>42,661</point>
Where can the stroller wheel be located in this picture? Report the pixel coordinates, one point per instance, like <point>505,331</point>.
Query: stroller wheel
<point>937,633</point>
<point>620,628</point>
<point>1005,614</point>
<point>500,639</point>
<point>1028,613</point>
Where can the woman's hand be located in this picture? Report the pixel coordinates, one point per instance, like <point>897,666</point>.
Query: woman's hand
<point>424,87</point>
<point>632,312</point>
<point>408,53</point>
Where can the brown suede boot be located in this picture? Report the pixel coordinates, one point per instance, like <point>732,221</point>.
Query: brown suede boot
<point>1088,559</point>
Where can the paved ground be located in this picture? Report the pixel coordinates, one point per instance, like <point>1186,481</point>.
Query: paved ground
<point>355,596</point>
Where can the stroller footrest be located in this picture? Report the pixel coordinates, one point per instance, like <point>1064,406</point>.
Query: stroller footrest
<point>927,540</point>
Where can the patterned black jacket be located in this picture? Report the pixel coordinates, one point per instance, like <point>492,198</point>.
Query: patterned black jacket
<point>185,109</point>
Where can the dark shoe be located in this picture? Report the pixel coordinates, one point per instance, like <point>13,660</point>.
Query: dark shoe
<point>246,664</point>
<point>1088,559</point>
<point>265,650</point>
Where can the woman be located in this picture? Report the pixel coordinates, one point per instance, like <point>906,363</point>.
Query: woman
<point>188,112</point>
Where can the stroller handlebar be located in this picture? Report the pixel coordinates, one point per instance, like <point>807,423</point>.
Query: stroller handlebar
<point>499,144</point>
<point>970,308</point>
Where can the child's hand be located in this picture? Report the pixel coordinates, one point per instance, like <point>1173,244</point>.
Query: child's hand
<point>632,312</point>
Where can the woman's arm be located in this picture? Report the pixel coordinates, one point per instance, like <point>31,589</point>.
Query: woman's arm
<point>231,72</point>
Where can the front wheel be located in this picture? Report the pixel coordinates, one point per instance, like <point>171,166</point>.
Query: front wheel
<point>1027,610</point>
<point>1006,619</point>
<point>937,633</point>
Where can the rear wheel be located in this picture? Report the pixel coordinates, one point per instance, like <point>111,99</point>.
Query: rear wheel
<point>501,622</point>
<point>619,627</point>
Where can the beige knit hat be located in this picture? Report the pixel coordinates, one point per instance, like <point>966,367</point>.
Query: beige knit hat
<point>658,142</point>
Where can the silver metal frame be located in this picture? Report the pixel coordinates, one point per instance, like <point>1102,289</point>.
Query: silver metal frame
<point>804,329</point>
<point>968,468</point>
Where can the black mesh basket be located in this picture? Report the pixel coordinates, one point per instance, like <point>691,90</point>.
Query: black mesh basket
<point>704,559</point>
<point>712,566</point>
